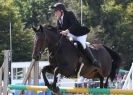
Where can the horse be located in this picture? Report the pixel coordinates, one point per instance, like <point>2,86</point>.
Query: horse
<point>67,59</point>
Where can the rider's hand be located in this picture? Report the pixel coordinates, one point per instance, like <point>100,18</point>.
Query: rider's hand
<point>64,32</point>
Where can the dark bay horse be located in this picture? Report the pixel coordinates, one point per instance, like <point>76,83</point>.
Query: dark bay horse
<point>66,59</point>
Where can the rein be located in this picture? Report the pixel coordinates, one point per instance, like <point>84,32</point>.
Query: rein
<point>54,47</point>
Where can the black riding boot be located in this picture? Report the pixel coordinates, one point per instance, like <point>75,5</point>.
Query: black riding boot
<point>91,57</point>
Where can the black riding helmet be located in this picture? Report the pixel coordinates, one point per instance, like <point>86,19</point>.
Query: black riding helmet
<point>58,6</point>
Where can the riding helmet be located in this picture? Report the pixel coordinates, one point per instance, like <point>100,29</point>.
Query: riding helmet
<point>58,6</point>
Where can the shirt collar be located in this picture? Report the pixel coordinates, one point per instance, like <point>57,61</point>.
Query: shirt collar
<point>62,17</point>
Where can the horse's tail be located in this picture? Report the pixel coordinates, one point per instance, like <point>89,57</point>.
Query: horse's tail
<point>116,60</point>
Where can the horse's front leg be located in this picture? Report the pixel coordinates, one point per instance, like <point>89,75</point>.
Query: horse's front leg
<point>106,83</point>
<point>101,82</point>
<point>56,72</point>
<point>44,70</point>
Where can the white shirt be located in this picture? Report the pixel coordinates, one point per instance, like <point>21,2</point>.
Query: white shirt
<point>61,19</point>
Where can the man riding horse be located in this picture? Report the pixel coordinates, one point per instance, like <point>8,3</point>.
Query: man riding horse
<point>68,25</point>
<point>65,58</point>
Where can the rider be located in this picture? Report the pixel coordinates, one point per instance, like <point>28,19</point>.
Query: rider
<point>69,26</point>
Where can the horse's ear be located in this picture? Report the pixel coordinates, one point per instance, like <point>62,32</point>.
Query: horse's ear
<point>41,27</point>
<point>34,28</point>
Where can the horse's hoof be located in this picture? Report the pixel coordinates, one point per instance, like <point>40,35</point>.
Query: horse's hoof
<point>105,86</point>
<point>56,90</point>
<point>50,87</point>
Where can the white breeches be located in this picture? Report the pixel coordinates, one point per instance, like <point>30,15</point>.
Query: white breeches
<point>81,39</point>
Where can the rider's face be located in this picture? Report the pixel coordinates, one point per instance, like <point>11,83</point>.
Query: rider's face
<point>57,13</point>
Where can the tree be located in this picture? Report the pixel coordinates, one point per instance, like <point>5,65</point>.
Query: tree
<point>21,39</point>
<point>34,12</point>
<point>112,25</point>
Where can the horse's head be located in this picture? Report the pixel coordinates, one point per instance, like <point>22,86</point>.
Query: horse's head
<point>39,42</point>
<point>45,36</point>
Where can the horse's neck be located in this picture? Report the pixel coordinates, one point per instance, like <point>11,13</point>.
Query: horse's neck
<point>53,44</point>
<point>57,43</point>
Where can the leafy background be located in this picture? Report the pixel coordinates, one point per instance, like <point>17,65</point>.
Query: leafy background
<point>110,22</point>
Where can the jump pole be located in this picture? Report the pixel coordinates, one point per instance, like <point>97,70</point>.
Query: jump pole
<point>71,89</point>
<point>4,70</point>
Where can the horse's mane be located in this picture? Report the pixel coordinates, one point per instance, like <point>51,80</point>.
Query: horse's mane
<point>50,27</point>
<point>51,30</point>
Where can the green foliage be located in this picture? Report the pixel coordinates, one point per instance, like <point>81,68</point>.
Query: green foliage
<point>22,45</point>
<point>21,39</point>
<point>34,12</point>
<point>110,22</point>
<point>115,21</point>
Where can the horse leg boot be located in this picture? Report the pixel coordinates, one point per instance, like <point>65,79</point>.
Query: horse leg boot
<point>90,56</point>
<point>55,88</point>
